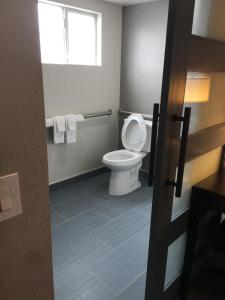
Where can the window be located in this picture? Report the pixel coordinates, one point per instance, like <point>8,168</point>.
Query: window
<point>69,35</point>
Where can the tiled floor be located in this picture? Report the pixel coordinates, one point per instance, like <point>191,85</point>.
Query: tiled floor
<point>100,242</point>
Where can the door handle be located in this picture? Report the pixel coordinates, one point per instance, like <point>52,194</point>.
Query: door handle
<point>183,150</point>
<point>153,144</point>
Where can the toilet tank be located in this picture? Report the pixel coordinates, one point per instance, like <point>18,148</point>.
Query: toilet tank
<point>147,145</point>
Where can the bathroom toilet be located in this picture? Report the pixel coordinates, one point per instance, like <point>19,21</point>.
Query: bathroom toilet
<point>125,164</point>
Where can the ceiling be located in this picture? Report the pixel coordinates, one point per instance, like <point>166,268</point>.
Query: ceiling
<point>128,2</point>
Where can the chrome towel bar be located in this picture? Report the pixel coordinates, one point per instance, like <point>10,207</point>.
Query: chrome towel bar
<point>49,121</point>
<point>100,114</point>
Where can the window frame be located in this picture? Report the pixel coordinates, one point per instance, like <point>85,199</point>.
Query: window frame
<point>98,31</point>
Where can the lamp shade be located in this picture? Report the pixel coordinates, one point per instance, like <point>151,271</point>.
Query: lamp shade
<point>197,89</point>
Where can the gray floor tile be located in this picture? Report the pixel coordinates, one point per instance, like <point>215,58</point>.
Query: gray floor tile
<point>117,270</point>
<point>70,275</point>
<point>64,292</point>
<point>86,186</point>
<point>102,189</point>
<point>104,203</point>
<point>78,205</point>
<point>58,197</point>
<point>145,191</point>
<point>102,233</point>
<point>56,219</point>
<point>71,241</point>
<point>146,232</point>
<point>115,206</point>
<point>87,289</point>
<point>100,179</point>
<point>92,290</point>
<point>142,203</point>
<point>76,190</point>
<point>136,291</point>
<point>122,228</point>
<point>78,227</point>
<point>82,252</point>
<point>80,285</point>
<point>144,206</point>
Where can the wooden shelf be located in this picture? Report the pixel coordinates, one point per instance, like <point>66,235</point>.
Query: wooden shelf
<point>206,55</point>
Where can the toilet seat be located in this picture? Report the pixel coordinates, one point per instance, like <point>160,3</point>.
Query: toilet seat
<point>122,158</point>
<point>134,133</point>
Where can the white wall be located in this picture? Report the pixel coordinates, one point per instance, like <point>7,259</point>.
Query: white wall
<point>84,89</point>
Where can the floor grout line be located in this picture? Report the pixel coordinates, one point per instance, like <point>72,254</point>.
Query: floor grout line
<point>73,218</point>
<point>100,241</point>
<point>101,213</point>
<point>129,285</point>
<point>58,213</point>
<point>70,199</point>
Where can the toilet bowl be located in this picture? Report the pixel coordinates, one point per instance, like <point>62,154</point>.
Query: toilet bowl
<point>125,164</point>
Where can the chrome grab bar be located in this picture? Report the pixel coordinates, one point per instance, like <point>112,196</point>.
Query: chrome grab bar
<point>49,121</point>
<point>100,114</point>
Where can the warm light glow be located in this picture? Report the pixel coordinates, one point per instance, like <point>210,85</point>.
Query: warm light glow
<point>197,89</point>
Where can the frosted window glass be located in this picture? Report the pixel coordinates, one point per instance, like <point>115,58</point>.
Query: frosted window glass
<point>194,172</point>
<point>51,26</point>
<point>175,259</point>
<point>81,39</point>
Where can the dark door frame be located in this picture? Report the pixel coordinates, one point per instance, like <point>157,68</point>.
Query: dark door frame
<point>163,231</point>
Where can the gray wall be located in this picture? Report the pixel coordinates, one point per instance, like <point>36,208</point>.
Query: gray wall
<point>84,89</point>
<point>143,51</point>
<point>143,48</point>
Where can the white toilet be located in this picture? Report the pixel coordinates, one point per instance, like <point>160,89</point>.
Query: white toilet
<point>125,164</point>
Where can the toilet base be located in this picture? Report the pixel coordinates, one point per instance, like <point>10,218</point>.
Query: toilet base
<point>124,182</point>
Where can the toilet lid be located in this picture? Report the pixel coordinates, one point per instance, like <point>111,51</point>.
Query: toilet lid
<point>134,133</point>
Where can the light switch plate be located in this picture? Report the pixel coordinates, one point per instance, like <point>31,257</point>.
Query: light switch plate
<point>5,198</point>
<point>10,201</point>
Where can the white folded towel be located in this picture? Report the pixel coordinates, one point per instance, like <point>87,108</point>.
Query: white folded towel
<point>71,127</point>
<point>59,126</point>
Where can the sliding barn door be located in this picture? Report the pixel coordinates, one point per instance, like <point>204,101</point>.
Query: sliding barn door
<point>166,235</point>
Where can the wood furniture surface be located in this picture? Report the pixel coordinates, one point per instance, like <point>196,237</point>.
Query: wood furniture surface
<point>208,194</point>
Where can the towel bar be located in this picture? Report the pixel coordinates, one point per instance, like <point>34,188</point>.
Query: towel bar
<point>49,121</point>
